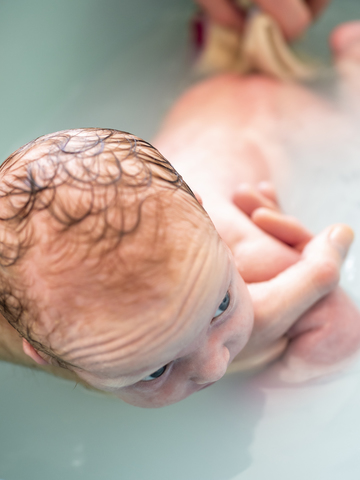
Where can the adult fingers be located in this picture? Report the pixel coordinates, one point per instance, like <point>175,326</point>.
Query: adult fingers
<point>248,199</point>
<point>285,228</point>
<point>267,189</point>
<point>293,16</point>
<point>279,302</point>
<point>317,6</point>
<point>224,12</point>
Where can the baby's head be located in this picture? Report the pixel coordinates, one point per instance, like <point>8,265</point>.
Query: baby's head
<point>111,268</point>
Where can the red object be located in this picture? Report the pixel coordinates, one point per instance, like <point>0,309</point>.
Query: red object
<point>197,30</point>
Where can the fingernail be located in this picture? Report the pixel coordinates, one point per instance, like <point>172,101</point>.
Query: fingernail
<point>342,237</point>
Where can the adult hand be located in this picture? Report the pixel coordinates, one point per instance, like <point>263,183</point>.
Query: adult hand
<point>293,16</point>
<point>280,302</point>
<point>321,337</point>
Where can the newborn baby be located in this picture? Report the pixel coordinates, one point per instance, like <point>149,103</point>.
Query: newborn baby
<point>113,271</point>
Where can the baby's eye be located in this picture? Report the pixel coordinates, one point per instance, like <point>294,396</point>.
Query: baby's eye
<point>154,375</point>
<point>223,305</point>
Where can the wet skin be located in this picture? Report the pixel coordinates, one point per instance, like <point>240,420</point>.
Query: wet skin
<point>185,334</point>
<point>196,317</point>
<point>190,335</point>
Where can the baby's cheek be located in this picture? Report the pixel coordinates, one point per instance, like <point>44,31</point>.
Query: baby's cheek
<point>263,258</point>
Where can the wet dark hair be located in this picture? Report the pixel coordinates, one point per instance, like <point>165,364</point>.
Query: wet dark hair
<point>100,165</point>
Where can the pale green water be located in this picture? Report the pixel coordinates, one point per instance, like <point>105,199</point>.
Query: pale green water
<point>120,64</point>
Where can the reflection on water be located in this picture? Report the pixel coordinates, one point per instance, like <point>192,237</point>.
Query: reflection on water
<point>100,63</point>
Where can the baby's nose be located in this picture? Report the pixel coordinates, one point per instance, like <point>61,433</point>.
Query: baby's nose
<point>211,366</point>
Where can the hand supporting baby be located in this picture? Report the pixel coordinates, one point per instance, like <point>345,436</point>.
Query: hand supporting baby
<point>300,310</point>
<point>293,16</point>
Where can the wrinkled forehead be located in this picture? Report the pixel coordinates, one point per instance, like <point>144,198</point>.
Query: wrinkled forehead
<point>148,271</point>
<point>123,325</point>
<point>118,339</point>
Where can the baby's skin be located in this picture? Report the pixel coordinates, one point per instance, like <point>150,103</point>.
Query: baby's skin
<point>162,313</point>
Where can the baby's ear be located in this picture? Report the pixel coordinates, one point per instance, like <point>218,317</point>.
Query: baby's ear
<point>198,198</point>
<point>32,353</point>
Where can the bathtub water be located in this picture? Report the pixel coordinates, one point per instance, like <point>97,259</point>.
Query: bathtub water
<point>103,63</point>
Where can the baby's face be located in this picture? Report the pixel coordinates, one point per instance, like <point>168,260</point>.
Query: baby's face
<point>155,354</point>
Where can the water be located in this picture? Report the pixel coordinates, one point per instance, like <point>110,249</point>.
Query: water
<point>102,63</point>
